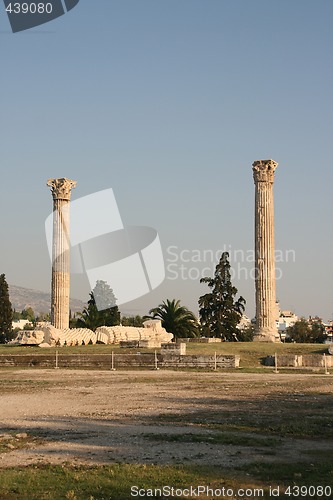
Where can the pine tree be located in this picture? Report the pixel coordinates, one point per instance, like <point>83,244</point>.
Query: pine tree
<point>219,312</point>
<point>6,312</point>
<point>104,296</point>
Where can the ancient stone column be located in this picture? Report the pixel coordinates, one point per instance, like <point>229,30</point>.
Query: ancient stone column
<point>61,192</point>
<point>265,284</point>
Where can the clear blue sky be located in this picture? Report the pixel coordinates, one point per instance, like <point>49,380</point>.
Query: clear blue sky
<point>169,103</point>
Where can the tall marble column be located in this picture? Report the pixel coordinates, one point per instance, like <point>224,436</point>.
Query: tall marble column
<point>265,284</point>
<point>61,192</point>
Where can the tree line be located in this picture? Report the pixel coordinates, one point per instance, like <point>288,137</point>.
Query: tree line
<point>220,312</point>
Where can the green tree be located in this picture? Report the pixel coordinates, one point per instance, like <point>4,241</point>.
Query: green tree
<point>318,334</point>
<point>28,314</point>
<point>245,334</point>
<point>43,317</point>
<point>104,296</point>
<point>73,319</point>
<point>6,312</point>
<point>132,321</point>
<point>93,316</point>
<point>175,318</point>
<point>305,333</point>
<point>219,312</point>
<point>28,326</point>
<point>16,315</point>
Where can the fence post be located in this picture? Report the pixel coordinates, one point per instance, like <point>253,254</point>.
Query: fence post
<point>215,361</point>
<point>156,360</point>
<point>112,362</point>
<point>56,360</point>
<point>276,364</point>
<point>325,364</point>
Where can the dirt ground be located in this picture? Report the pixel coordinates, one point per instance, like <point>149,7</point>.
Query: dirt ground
<point>99,417</point>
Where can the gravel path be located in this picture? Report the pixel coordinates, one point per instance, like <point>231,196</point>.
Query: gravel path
<point>99,417</point>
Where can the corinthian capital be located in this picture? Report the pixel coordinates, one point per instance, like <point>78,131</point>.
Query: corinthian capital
<point>61,188</point>
<point>263,170</point>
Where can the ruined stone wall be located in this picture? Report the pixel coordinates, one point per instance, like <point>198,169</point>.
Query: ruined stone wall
<point>47,336</point>
<point>121,361</point>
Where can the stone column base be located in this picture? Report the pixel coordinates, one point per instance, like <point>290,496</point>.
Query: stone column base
<point>266,335</point>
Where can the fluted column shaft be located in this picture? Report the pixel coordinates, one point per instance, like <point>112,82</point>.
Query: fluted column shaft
<point>60,288</point>
<point>265,282</point>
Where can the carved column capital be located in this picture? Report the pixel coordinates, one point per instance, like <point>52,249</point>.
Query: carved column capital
<point>61,188</point>
<point>263,170</point>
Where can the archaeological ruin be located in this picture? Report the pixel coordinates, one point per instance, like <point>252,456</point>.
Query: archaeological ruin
<point>265,282</point>
<point>152,335</point>
<point>60,288</point>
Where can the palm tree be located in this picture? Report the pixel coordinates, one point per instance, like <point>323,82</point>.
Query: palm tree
<point>175,319</point>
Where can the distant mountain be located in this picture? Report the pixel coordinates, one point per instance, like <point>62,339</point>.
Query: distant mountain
<point>21,298</point>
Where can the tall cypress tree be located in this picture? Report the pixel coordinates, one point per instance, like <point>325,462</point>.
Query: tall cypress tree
<point>6,312</point>
<point>219,312</point>
<point>101,310</point>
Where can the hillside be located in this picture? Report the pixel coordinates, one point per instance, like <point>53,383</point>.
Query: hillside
<point>21,298</point>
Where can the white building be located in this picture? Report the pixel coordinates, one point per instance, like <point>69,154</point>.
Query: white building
<point>286,319</point>
<point>244,322</point>
<point>21,324</point>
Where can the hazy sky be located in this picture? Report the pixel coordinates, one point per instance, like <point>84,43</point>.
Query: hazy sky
<point>169,103</point>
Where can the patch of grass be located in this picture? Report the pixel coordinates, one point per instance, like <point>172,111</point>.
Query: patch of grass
<point>115,481</point>
<point>15,441</point>
<point>226,438</point>
<point>306,428</point>
<point>10,385</point>
<point>316,453</point>
<point>316,473</point>
<point>302,429</point>
<point>286,413</point>
<point>105,482</point>
<point>297,429</point>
